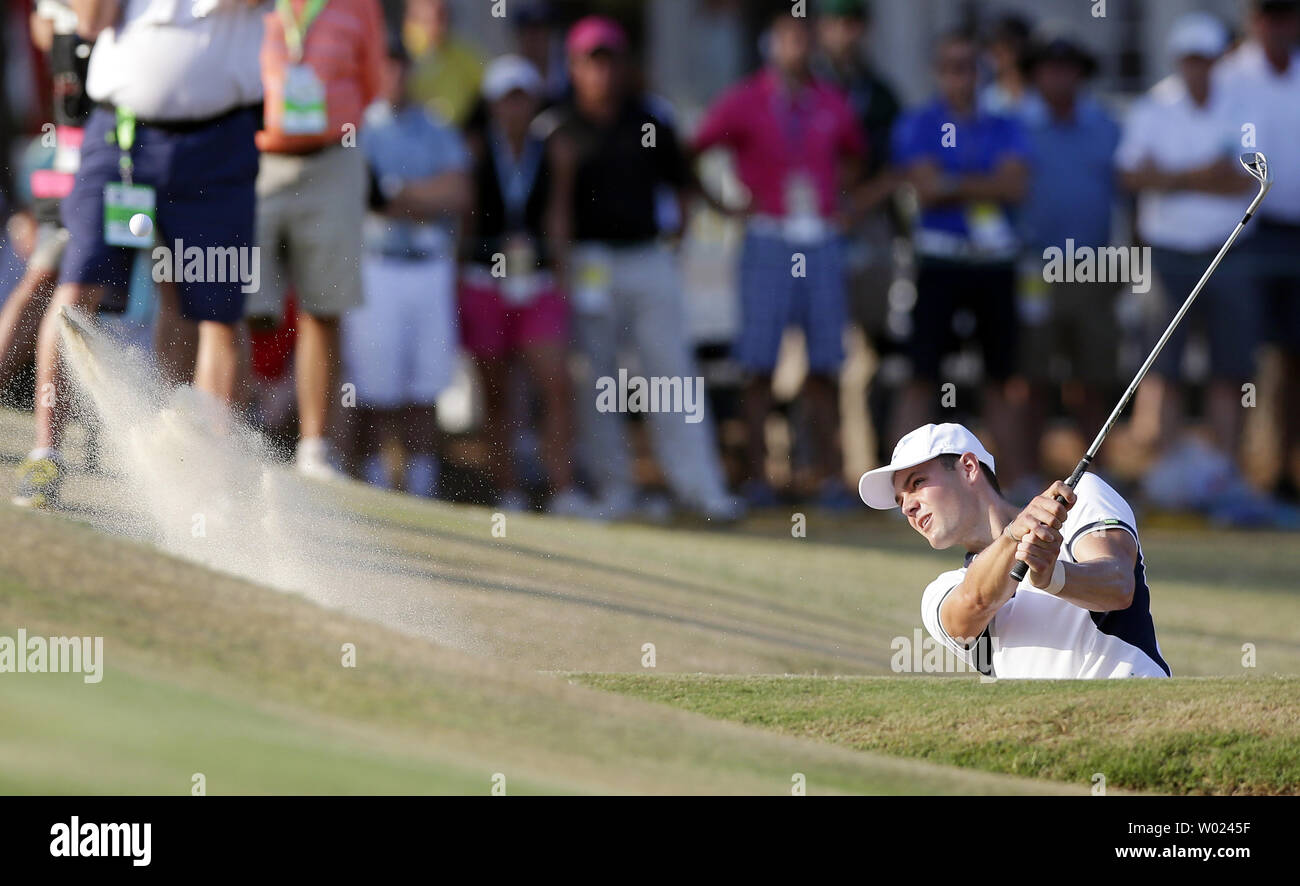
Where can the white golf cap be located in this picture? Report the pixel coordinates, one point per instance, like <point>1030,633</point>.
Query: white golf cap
<point>1198,33</point>
<point>508,73</point>
<point>877,487</point>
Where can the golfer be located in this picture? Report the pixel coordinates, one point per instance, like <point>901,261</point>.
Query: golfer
<point>1084,609</point>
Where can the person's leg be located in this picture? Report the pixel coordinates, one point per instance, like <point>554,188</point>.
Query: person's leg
<point>548,368</point>
<point>20,318</point>
<point>766,295</point>
<point>53,393</point>
<point>600,326</point>
<point>324,241</point>
<point>216,368</point>
<point>1158,405</point>
<point>1094,353</point>
<point>315,358</point>
<point>1233,312</point>
<point>994,301</point>
<point>937,284</point>
<point>176,338</point>
<point>684,442</point>
<point>418,428</point>
<point>494,375</point>
<point>824,321</point>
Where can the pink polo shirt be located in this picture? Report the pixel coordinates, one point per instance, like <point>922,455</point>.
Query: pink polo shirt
<point>774,138</point>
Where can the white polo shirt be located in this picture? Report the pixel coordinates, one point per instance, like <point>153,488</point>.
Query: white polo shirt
<point>177,60</point>
<point>1255,94</point>
<point>1038,635</point>
<point>1166,128</point>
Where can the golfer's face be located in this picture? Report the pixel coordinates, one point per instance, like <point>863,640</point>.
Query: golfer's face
<point>930,498</point>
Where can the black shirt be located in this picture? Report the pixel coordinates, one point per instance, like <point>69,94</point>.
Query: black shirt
<point>618,179</point>
<point>490,222</point>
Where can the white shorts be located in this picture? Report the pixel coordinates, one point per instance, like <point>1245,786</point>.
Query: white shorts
<point>400,347</point>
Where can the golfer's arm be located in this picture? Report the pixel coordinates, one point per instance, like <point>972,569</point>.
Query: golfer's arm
<point>969,607</point>
<point>1102,578</point>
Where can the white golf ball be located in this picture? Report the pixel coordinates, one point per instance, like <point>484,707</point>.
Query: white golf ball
<point>141,225</point>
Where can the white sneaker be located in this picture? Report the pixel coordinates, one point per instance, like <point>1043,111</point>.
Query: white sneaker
<point>312,460</point>
<point>571,503</point>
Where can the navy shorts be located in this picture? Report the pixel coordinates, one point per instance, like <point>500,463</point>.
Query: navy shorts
<point>1229,309</point>
<point>986,290</point>
<point>1273,252</point>
<point>204,178</point>
<point>772,298</point>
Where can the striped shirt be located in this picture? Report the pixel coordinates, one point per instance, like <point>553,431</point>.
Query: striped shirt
<point>344,47</point>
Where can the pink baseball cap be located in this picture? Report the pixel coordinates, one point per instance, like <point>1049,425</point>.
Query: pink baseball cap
<point>595,32</point>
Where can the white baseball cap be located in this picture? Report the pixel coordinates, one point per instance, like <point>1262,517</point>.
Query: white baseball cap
<point>508,73</point>
<point>877,487</point>
<point>1198,33</point>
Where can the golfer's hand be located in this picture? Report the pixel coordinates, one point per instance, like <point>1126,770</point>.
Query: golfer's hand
<point>1037,532</point>
<point>1040,548</point>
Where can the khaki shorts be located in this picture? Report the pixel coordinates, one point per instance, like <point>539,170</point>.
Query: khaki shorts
<point>1071,334</point>
<point>309,214</point>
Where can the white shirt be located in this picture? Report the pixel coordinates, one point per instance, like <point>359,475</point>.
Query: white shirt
<point>1256,94</point>
<point>1166,128</point>
<point>1038,635</point>
<point>180,59</point>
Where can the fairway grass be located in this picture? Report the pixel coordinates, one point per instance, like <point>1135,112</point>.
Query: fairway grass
<point>1190,735</point>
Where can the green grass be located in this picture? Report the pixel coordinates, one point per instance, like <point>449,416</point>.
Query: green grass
<point>1191,735</point>
<point>214,674</point>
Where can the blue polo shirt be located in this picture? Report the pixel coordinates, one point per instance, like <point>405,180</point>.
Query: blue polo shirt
<point>978,144</point>
<point>1072,182</point>
<point>404,145</point>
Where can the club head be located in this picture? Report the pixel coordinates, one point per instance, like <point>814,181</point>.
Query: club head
<point>70,320</point>
<point>1256,164</point>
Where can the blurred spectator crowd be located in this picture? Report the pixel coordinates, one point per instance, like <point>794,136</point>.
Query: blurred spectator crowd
<point>472,269</point>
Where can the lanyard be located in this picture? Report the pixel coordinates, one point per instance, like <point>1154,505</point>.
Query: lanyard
<point>125,133</point>
<point>515,180</point>
<point>295,29</point>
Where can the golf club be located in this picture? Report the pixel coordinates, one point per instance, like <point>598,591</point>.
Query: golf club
<point>1254,163</point>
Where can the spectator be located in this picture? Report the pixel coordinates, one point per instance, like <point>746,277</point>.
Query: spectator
<point>512,300</point>
<point>541,42</point>
<point>796,143</point>
<point>969,170</point>
<point>626,285</point>
<point>1178,155</point>
<point>1008,46</point>
<point>321,65</point>
<point>54,30</point>
<point>1069,330</point>
<point>1260,82</point>
<point>177,90</point>
<point>842,29</point>
<point>400,345</point>
<point>448,72</point>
